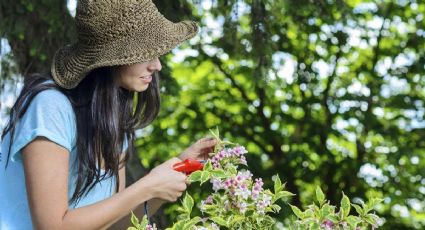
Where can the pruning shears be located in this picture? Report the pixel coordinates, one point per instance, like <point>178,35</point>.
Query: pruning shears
<point>187,166</point>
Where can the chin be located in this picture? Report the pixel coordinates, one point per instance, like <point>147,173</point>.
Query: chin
<point>141,89</point>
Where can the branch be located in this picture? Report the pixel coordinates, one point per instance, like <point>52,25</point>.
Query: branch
<point>327,90</point>
<point>219,64</point>
<point>361,152</point>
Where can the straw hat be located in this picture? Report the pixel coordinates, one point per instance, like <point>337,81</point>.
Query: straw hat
<point>116,32</point>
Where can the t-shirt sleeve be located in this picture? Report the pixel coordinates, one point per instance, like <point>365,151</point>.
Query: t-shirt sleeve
<point>49,115</point>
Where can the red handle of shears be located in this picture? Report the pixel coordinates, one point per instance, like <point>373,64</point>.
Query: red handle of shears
<point>188,166</point>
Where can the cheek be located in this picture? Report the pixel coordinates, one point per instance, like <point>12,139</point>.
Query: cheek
<point>128,82</point>
<point>127,76</point>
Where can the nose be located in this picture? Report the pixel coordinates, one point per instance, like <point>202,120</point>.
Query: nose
<point>155,65</point>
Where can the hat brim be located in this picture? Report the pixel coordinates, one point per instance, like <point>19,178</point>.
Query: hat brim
<point>73,62</point>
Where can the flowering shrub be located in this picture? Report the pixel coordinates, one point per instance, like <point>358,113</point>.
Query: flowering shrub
<point>239,200</point>
<point>323,215</point>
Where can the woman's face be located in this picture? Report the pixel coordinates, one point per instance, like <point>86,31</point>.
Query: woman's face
<point>137,77</point>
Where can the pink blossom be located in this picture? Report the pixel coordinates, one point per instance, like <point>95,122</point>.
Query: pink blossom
<point>217,185</point>
<point>243,160</point>
<point>239,150</point>
<point>327,224</point>
<point>243,191</point>
<point>150,227</point>
<point>257,188</point>
<point>209,200</point>
<point>242,207</point>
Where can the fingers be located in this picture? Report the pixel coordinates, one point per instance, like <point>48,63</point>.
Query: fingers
<point>206,139</point>
<point>207,143</point>
<point>184,178</point>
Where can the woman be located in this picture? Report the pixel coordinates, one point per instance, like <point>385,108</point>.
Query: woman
<point>73,129</point>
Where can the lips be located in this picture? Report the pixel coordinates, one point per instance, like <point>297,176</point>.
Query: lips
<point>146,79</point>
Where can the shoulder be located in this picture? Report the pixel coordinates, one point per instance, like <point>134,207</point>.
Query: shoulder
<point>50,107</point>
<point>52,96</point>
<point>51,99</point>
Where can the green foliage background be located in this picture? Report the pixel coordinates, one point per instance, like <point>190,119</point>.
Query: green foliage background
<point>318,91</point>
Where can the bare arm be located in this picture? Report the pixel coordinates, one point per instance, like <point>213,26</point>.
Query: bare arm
<point>46,173</point>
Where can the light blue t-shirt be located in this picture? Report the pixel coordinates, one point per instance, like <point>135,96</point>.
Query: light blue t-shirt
<point>49,115</point>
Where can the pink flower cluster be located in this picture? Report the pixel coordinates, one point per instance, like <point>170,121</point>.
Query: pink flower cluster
<point>234,183</point>
<point>150,227</point>
<point>258,187</point>
<point>327,224</point>
<point>209,200</point>
<point>263,203</point>
<point>229,153</point>
<point>240,191</point>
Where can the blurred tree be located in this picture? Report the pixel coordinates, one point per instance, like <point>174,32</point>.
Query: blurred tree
<point>324,92</point>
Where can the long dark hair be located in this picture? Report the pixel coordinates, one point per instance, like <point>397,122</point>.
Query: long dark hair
<point>105,114</point>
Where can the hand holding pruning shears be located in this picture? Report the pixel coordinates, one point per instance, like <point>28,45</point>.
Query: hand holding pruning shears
<point>193,159</point>
<point>168,183</point>
<point>195,156</point>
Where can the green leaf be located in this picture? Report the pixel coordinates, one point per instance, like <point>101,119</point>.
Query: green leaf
<point>345,205</point>
<point>332,217</point>
<point>276,208</point>
<point>195,176</point>
<point>297,212</point>
<point>326,210</point>
<point>134,220</point>
<point>215,133</point>
<point>235,219</point>
<point>179,225</point>
<point>319,195</point>
<point>205,176</point>
<point>286,194</point>
<point>188,203</point>
<point>317,211</point>
<point>132,228</point>
<point>371,204</point>
<point>207,166</point>
<point>358,209</point>
<point>341,214</point>
<point>375,201</point>
<point>371,219</point>
<point>192,222</point>
<point>282,195</point>
<point>315,225</point>
<point>277,184</point>
<point>218,173</point>
<point>220,221</point>
<point>144,222</point>
<point>233,170</point>
<point>353,221</point>
<point>210,209</point>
